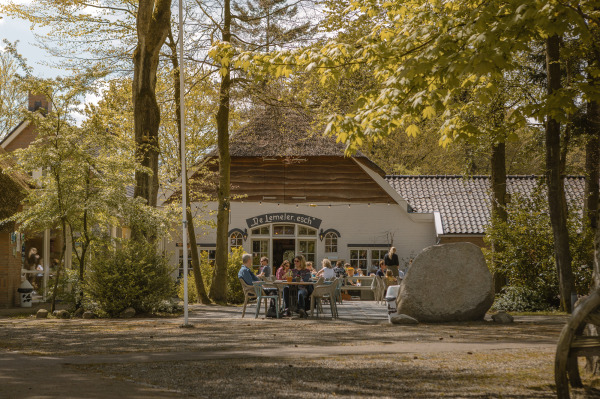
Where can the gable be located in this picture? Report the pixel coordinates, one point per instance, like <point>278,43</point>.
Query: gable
<point>296,180</point>
<point>20,137</point>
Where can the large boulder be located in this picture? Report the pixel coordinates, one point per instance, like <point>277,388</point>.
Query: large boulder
<point>448,282</point>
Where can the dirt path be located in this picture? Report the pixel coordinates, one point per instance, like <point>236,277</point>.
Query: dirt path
<point>229,357</point>
<point>26,376</point>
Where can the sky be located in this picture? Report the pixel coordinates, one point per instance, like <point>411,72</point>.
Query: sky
<point>17,29</point>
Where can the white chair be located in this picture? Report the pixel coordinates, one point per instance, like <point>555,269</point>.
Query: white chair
<point>379,289</point>
<point>321,292</point>
<point>261,294</point>
<point>249,294</point>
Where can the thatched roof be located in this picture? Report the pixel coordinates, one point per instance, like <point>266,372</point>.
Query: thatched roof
<point>286,132</point>
<point>282,132</point>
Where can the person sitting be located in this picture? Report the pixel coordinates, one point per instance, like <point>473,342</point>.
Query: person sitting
<point>390,279</point>
<point>382,269</point>
<point>327,271</point>
<point>283,270</point>
<point>249,277</point>
<point>265,269</point>
<point>349,269</point>
<point>339,269</point>
<point>245,272</point>
<point>310,268</point>
<point>301,273</point>
<point>360,273</point>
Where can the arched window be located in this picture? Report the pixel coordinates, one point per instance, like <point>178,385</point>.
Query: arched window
<point>236,239</point>
<point>331,242</point>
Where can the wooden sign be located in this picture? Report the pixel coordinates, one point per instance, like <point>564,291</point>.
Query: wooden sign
<point>284,217</point>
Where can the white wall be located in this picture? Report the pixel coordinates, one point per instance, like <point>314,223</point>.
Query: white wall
<point>357,224</point>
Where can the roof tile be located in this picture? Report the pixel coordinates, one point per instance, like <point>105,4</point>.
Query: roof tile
<point>464,203</point>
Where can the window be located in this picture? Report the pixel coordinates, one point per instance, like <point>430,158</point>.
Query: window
<point>263,231</point>
<point>307,248</point>
<point>358,258</point>
<point>283,229</point>
<point>331,242</point>
<point>306,231</point>
<point>260,248</point>
<point>236,240</point>
<point>376,256</point>
<point>211,257</point>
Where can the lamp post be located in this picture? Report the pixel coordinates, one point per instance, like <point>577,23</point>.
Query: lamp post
<point>183,169</point>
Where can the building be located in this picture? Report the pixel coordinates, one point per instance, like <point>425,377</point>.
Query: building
<point>48,242</point>
<point>14,189</point>
<point>292,193</point>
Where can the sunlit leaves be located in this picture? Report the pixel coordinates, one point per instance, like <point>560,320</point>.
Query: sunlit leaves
<point>447,59</point>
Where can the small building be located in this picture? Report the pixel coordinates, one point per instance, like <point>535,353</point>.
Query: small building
<point>14,189</point>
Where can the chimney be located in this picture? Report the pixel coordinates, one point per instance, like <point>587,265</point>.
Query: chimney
<point>37,101</point>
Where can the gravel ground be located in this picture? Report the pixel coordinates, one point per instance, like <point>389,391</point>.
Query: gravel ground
<point>501,374</point>
<point>430,360</point>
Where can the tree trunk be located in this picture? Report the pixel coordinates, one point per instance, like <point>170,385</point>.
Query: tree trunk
<point>152,23</point>
<point>597,242</point>
<point>61,262</point>
<point>200,289</point>
<point>498,181</point>
<point>218,288</point>
<point>556,193</point>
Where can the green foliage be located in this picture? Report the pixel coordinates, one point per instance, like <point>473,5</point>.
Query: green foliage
<point>68,286</point>
<point>523,252</point>
<point>455,60</point>
<point>13,94</point>
<point>131,276</point>
<point>522,299</point>
<point>235,294</point>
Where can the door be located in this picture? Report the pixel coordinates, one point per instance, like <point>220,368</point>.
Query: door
<point>283,249</point>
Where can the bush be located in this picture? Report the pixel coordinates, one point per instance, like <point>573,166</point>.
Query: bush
<point>68,288</point>
<point>520,299</point>
<point>235,293</point>
<point>131,276</point>
<point>523,253</point>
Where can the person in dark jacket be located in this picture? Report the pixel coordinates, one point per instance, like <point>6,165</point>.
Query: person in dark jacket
<point>391,260</point>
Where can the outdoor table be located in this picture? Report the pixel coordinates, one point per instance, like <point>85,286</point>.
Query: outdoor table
<point>293,291</point>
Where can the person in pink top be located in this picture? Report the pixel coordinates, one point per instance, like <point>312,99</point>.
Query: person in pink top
<point>283,270</point>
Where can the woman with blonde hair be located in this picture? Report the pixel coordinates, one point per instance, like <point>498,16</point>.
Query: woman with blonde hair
<point>391,260</point>
<point>327,270</point>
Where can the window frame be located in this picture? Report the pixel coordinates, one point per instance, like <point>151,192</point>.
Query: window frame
<point>238,237</point>
<point>331,236</point>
